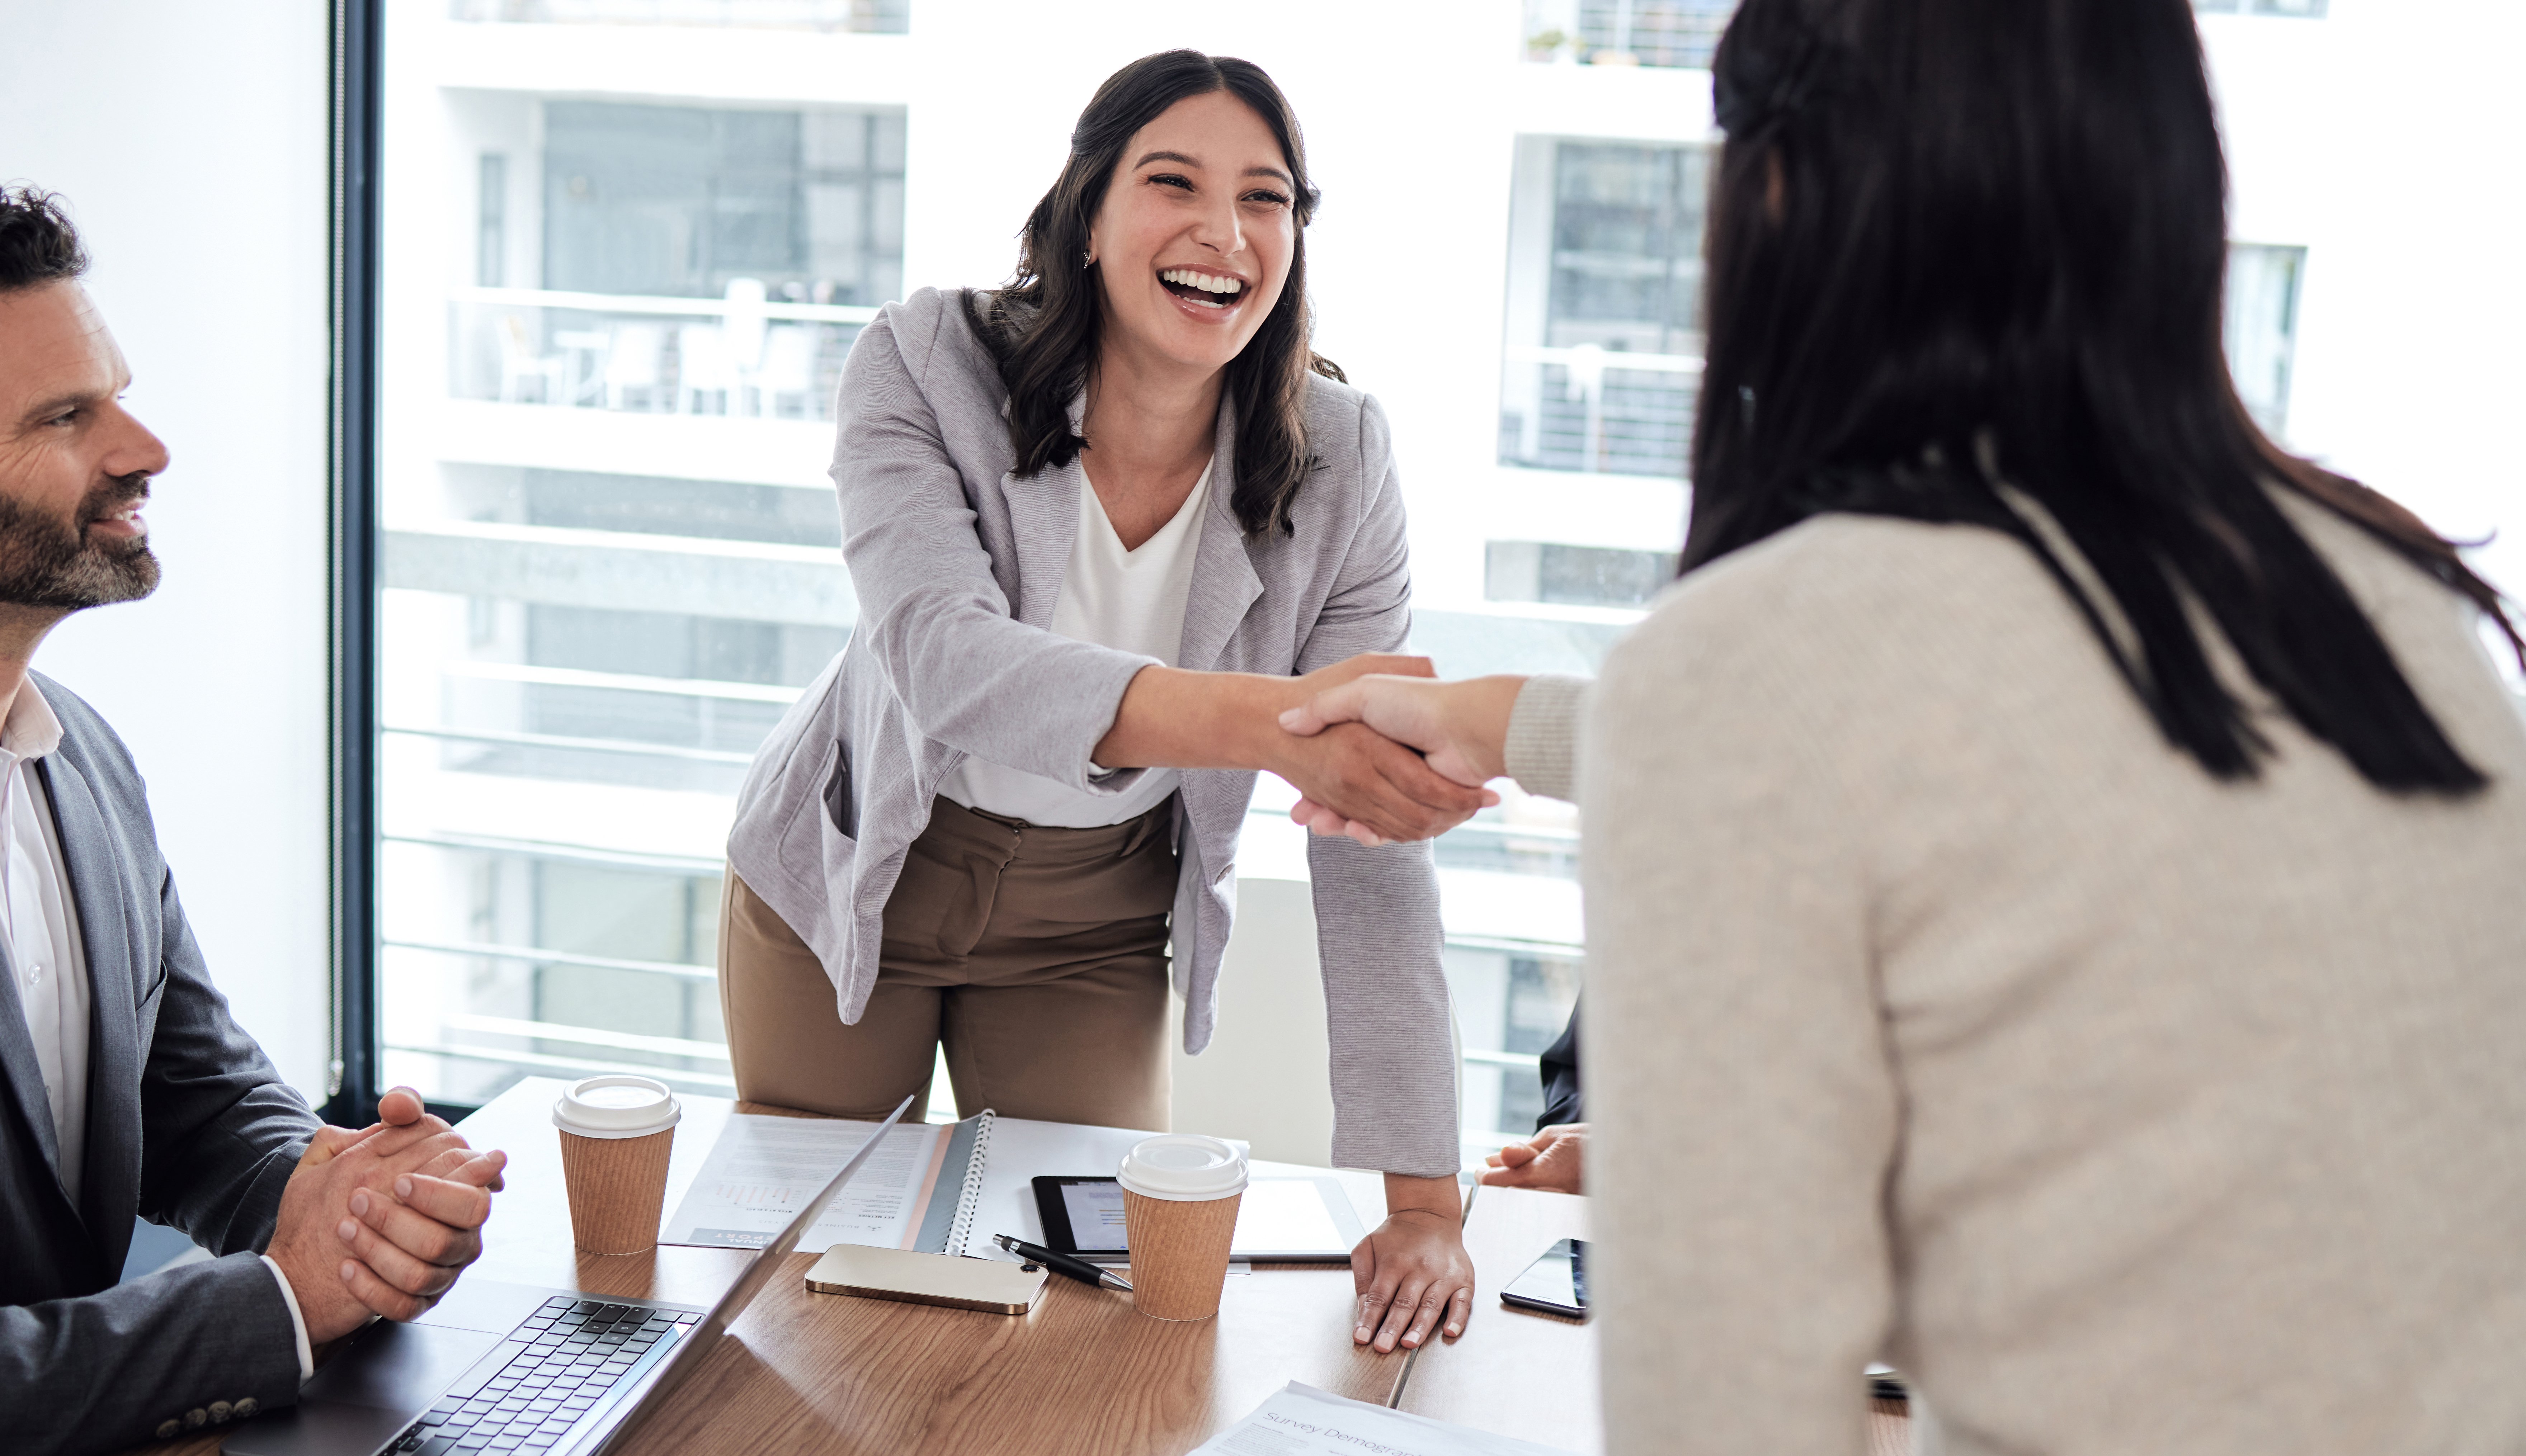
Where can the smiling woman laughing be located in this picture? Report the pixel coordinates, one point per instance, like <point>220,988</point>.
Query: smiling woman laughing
<point>1105,523</point>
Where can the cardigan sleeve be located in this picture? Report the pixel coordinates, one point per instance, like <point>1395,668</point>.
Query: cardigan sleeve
<point>1378,931</point>
<point>1543,749</point>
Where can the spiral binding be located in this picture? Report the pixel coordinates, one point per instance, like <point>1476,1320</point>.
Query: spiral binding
<point>970,1201</point>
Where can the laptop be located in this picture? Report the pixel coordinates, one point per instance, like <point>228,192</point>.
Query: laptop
<point>517,1370</point>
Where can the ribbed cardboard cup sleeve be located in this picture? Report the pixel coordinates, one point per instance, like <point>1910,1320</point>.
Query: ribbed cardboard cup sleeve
<point>1179,1253</point>
<point>618,1187</point>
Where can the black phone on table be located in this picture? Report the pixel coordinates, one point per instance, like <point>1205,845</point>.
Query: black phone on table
<point>1556,1283</point>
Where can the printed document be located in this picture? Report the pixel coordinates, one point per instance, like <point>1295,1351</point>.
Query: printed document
<point>1303,1421</point>
<point>764,1168</point>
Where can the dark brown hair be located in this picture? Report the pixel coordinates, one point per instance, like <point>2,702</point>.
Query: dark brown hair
<point>1044,327</point>
<point>37,243</point>
<point>1948,230</point>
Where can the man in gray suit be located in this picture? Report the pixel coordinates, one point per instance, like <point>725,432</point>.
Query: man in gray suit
<point>125,1087</point>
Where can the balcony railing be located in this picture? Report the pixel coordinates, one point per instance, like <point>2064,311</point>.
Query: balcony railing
<point>1673,33</point>
<point>746,354</point>
<point>1598,411</point>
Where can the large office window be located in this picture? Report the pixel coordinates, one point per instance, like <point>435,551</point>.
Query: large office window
<point>615,303</point>
<point>609,335</point>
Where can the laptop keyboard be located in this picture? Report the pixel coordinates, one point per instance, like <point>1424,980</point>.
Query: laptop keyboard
<point>577,1350</point>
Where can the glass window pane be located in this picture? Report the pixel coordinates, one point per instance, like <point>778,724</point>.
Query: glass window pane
<point>611,558</point>
<point>1604,331</point>
<point>1628,32</point>
<point>2261,327</point>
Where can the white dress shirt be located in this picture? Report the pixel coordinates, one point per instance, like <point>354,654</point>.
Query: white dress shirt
<point>1132,600</point>
<point>46,959</point>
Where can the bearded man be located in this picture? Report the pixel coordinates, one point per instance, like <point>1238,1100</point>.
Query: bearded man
<point>125,1087</point>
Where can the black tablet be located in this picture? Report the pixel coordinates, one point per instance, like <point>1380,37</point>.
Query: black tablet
<point>1282,1220</point>
<point>1082,1216</point>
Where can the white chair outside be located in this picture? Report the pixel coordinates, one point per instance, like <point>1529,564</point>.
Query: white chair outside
<point>636,361</point>
<point>743,324</point>
<point>788,367</point>
<point>703,369</point>
<point>520,362</point>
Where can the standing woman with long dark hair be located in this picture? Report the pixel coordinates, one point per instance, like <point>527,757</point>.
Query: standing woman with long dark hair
<point>2054,864</point>
<point>1104,524</point>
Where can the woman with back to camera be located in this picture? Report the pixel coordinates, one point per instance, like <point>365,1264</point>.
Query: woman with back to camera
<point>2054,865</point>
<point>1096,521</point>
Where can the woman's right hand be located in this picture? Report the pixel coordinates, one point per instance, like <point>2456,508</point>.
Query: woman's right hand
<point>1360,762</point>
<point>1171,718</point>
<point>1461,726</point>
<point>1375,785</point>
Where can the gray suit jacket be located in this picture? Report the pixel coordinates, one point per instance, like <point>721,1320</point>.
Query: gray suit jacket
<point>958,565</point>
<point>187,1123</point>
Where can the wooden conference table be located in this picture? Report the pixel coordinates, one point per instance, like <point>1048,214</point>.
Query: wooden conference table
<point>1082,1372</point>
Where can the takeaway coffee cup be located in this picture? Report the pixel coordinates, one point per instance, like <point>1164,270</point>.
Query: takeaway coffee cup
<point>1180,1197</point>
<point>615,1136</point>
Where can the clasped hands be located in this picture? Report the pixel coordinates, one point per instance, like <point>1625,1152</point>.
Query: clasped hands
<point>381,1220</point>
<point>1404,756</point>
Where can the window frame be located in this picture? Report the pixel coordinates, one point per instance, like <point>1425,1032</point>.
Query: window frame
<point>357,61</point>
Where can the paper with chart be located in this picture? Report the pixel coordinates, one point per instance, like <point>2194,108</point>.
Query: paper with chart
<point>764,1168</point>
<point>1303,1421</point>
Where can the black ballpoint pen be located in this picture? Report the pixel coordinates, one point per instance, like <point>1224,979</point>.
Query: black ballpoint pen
<point>1063,1264</point>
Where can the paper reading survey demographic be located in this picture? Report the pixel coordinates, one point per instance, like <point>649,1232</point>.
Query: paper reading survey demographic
<point>764,1168</point>
<point>1302,1421</point>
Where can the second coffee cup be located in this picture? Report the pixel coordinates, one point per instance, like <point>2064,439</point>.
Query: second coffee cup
<point>1180,1197</point>
<point>616,1132</point>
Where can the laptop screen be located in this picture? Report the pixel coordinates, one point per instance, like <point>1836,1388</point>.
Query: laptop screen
<point>758,1273</point>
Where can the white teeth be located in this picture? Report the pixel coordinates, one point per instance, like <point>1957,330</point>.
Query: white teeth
<point>1206,282</point>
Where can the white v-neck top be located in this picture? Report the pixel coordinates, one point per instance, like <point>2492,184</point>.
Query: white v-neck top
<point>1133,601</point>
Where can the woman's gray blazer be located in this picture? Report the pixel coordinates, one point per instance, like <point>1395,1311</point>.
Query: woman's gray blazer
<point>957,566</point>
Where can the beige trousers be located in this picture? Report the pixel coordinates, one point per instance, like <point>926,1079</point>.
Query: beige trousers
<point>1037,957</point>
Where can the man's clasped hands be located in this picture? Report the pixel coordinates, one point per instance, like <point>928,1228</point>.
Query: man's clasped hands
<point>381,1220</point>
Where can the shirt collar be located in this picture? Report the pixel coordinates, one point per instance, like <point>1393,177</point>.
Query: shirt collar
<point>30,731</point>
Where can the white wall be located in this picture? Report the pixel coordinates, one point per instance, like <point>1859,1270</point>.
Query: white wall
<point>191,142</point>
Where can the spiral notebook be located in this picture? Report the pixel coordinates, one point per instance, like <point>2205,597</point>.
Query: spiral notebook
<point>919,1193</point>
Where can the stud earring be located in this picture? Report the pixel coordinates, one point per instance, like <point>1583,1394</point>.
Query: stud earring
<point>1088,260</point>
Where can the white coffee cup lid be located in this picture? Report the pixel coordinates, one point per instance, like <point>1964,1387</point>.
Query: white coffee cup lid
<point>617,1106</point>
<point>1183,1167</point>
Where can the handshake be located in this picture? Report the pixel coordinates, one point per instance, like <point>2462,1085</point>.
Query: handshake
<point>1383,751</point>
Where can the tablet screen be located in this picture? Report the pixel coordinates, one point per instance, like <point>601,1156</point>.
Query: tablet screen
<point>1300,1219</point>
<point>1095,1209</point>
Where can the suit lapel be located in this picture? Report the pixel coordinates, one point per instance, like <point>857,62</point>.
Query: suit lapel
<point>1043,517</point>
<point>1224,581</point>
<point>109,1175</point>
